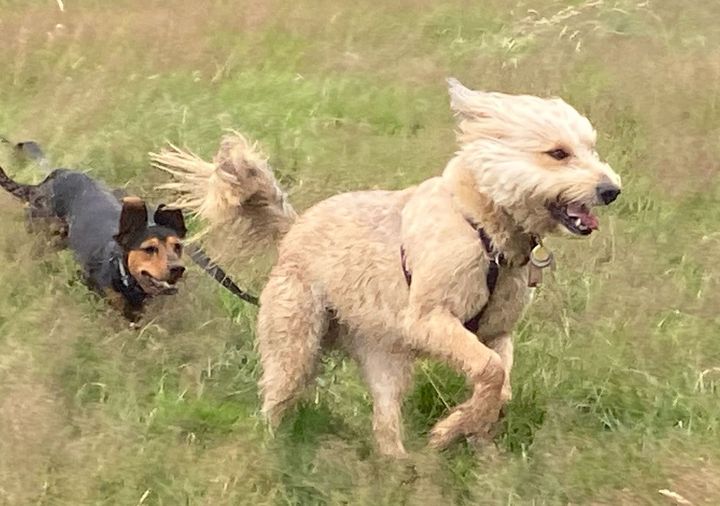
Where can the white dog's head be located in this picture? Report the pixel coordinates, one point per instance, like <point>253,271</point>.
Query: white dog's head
<point>534,157</point>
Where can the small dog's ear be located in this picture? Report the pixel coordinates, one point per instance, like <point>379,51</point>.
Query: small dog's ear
<point>464,101</point>
<point>171,218</point>
<point>133,218</point>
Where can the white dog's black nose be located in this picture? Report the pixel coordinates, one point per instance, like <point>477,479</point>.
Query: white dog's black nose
<point>607,192</point>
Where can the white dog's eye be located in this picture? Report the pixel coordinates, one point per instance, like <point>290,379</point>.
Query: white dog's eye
<point>558,154</point>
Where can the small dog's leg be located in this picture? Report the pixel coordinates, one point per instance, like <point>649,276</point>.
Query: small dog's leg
<point>503,346</point>
<point>291,325</point>
<point>442,336</point>
<point>388,376</point>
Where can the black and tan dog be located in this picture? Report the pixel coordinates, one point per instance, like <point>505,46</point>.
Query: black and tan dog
<point>124,256</point>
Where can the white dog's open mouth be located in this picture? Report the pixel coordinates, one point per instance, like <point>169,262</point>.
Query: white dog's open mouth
<point>577,218</point>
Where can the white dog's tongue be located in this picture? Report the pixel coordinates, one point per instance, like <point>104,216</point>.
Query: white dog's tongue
<point>586,217</point>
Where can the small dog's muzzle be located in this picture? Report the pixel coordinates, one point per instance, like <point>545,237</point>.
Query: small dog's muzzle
<point>176,272</point>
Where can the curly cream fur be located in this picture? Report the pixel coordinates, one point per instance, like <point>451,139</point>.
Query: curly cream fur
<point>236,195</point>
<point>338,279</point>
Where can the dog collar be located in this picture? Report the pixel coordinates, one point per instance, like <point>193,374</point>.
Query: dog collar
<point>124,276</point>
<point>537,259</point>
<point>124,283</point>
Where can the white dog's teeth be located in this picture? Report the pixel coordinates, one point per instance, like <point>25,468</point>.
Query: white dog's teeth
<point>578,222</point>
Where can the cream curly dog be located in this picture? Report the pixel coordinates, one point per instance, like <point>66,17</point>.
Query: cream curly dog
<point>437,270</point>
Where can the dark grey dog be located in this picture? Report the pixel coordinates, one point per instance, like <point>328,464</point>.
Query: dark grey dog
<point>124,256</point>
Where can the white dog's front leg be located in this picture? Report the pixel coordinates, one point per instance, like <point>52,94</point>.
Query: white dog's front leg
<point>503,346</point>
<point>442,336</point>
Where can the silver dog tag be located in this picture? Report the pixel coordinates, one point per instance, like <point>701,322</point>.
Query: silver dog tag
<point>540,258</point>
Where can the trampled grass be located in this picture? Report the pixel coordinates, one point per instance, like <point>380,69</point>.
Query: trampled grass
<point>617,362</point>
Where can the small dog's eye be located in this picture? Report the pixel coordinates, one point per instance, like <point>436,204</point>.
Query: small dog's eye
<point>558,154</point>
<point>150,250</point>
<point>178,249</point>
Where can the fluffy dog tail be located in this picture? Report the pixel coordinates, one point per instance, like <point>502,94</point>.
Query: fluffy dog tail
<point>236,196</point>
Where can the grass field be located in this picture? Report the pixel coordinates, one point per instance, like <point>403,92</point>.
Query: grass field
<point>617,362</point>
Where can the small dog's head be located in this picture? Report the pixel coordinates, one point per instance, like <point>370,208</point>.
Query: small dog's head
<point>153,252</point>
<point>535,158</point>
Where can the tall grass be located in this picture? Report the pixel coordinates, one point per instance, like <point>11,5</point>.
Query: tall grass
<point>616,376</point>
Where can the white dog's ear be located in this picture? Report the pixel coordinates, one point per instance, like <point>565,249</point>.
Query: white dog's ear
<point>464,101</point>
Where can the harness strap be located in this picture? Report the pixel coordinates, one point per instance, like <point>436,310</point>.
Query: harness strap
<point>496,259</point>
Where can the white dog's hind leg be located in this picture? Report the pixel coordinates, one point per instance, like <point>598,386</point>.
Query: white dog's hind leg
<point>291,324</point>
<point>388,376</point>
<point>442,336</point>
